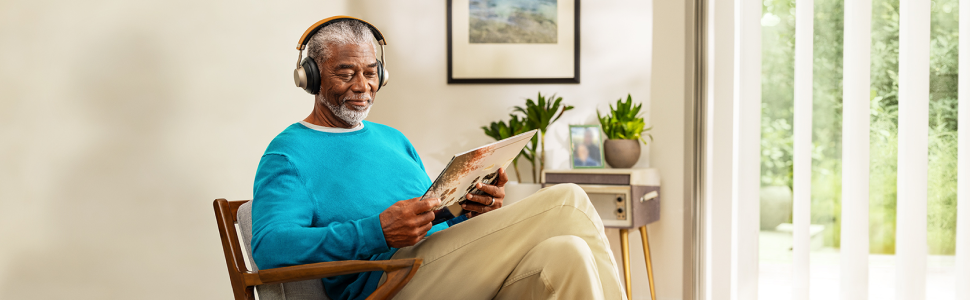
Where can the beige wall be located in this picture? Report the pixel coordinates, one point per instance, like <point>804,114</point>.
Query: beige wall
<point>442,119</point>
<point>667,113</point>
<point>121,121</point>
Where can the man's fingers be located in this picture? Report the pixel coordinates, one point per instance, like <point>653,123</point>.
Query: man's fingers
<point>481,199</point>
<point>503,178</point>
<point>474,207</point>
<point>491,190</point>
<point>427,217</point>
<point>408,221</point>
<point>426,228</point>
<point>425,205</point>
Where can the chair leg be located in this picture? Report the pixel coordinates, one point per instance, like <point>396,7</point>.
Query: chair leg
<point>646,257</point>
<point>625,248</point>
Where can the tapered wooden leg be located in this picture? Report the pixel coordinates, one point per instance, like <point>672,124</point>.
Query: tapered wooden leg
<point>646,257</point>
<point>625,248</point>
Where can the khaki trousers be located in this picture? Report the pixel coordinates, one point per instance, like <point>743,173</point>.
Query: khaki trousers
<point>550,245</point>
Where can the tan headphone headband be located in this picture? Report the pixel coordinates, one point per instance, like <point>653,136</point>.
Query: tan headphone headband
<point>323,23</point>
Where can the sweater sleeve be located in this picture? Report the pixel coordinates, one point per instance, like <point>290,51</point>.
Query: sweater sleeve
<point>283,213</point>
<point>454,221</point>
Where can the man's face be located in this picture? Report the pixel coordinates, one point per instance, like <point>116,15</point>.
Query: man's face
<point>349,81</point>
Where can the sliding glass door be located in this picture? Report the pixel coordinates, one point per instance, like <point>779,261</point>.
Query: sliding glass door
<point>858,196</point>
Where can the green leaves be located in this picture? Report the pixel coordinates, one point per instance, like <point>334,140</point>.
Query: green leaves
<point>624,121</point>
<point>536,114</point>
<point>540,113</point>
<point>501,130</point>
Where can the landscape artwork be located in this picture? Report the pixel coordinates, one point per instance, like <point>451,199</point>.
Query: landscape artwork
<point>512,22</point>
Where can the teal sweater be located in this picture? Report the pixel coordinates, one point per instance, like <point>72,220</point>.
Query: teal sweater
<point>317,196</point>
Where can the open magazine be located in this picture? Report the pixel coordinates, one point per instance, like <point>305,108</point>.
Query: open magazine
<point>473,166</point>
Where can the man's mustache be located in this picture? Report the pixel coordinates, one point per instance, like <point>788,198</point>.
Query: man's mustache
<point>357,98</point>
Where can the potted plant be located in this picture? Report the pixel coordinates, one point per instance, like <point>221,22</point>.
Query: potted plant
<point>536,114</point>
<point>624,129</point>
<point>501,130</point>
<point>539,114</point>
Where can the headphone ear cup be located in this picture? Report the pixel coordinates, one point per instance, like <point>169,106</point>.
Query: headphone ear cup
<point>382,75</point>
<point>312,75</point>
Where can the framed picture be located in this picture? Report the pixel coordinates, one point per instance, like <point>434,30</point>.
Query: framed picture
<point>513,41</point>
<point>586,146</point>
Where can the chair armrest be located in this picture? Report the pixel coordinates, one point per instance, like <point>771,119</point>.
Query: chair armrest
<point>399,272</point>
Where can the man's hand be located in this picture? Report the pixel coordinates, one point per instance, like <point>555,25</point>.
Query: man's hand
<point>406,222</point>
<point>492,200</point>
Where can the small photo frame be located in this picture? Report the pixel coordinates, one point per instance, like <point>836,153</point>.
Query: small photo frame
<point>586,147</point>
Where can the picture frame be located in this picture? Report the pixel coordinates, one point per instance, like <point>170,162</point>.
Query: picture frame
<point>586,147</point>
<point>513,42</point>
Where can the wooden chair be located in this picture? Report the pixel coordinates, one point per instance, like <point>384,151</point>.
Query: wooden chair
<point>399,271</point>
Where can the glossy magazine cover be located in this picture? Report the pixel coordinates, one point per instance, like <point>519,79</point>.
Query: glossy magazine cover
<point>477,165</point>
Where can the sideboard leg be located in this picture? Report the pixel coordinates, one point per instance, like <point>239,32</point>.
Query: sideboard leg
<point>625,248</point>
<point>646,257</point>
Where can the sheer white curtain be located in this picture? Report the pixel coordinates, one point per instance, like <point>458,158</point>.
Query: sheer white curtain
<point>733,143</point>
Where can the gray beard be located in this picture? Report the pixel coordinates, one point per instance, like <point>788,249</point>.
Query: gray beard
<point>352,116</point>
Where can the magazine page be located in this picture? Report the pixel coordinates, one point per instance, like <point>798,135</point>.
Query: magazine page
<point>477,165</point>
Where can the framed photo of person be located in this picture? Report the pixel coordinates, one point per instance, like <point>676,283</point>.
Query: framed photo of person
<point>513,41</point>
<point>586,147</point>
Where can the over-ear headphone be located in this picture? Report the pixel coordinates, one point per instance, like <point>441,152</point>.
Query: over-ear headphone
<point>307,74</point>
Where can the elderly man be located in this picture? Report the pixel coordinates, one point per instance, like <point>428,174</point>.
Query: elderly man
<point>335,187</point>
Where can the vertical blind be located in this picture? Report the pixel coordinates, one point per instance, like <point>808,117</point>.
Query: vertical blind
<point>855,151</point>
<point>747,154</point>
<point>734,109</point>
<point>802,144</point>
<point>914,96</point>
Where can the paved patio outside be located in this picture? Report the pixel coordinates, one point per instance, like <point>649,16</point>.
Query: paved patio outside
<point>775,272</point>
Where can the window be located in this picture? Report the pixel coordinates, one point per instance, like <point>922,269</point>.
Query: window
<point>866,138</point>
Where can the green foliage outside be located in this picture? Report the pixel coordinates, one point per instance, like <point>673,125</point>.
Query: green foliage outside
<point>778,29</point>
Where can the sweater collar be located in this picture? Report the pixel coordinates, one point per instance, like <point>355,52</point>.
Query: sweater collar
<point>332,129</point>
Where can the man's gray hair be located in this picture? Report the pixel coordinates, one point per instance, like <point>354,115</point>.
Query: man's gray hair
<point>338,33</point>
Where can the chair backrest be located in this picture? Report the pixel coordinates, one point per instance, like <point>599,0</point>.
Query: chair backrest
<point>230,213</point>
<point>308,289</point>
<point>226,220</point>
